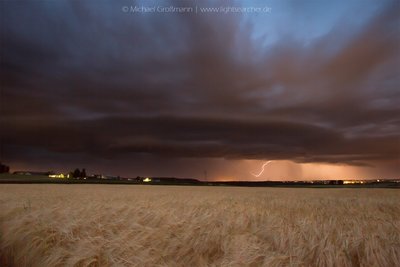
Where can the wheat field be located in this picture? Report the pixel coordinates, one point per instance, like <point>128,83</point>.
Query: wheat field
<point>117,225</point>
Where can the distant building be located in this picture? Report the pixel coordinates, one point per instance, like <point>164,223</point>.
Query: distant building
<point>335,182</point>
<point>97,176</point>
<point>60,175</point>
<point>34,173</point>
<point>104,177</point>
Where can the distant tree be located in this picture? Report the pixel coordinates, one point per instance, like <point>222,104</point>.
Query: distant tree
<point>4,168</point>
<point>77,173</point>
<point>83,173</point>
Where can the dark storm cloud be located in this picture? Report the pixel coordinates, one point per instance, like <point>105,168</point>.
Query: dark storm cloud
<point>84,77</point>
<point>198,137</point>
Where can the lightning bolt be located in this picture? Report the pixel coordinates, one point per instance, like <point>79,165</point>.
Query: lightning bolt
<point>262,169</point>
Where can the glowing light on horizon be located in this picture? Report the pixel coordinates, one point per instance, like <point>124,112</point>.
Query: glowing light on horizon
<point>262,169</point>
<point>61,175</point>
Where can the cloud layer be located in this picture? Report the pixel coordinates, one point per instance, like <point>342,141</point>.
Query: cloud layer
<point>88,79</point>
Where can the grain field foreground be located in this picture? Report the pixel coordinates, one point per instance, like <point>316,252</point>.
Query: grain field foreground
<point>116,225</point>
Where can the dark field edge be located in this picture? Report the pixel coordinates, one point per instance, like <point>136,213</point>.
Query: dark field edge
<point>8,179</point>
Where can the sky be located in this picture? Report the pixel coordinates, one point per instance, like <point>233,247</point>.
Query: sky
<point>312,86</point>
